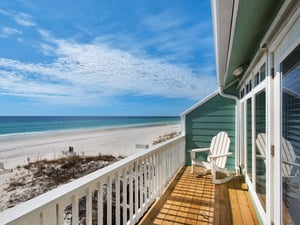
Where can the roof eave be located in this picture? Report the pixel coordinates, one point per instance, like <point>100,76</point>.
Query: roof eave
<point>222,19</point>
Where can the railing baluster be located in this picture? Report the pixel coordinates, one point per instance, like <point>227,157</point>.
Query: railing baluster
<point>125,196</point>
<point>136,189</point>
<point>141,186</point>
<point>156,181</point>
<point>88,202</point>
<point>108,199</point>
<point>130,193</point>
<point>74,209</point>
<point>60,214</point>
<point>117,203</point>
<point>147,181</point>
<point>100,203</point>
<point>152,176</point>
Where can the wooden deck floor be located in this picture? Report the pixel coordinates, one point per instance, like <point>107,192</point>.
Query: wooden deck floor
<point>195,200</point>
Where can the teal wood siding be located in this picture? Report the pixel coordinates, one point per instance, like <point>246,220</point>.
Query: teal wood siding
<point>204,122</point>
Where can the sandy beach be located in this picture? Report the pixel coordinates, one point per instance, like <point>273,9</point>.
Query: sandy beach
<point>17,150</point>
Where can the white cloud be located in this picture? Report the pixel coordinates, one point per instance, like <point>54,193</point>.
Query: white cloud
<point>3,12</point>
<point>24,19</point>
<point>174,35</point>
<point>8,31</point>
<point>112,65</point>
<point>92,72</point>
<point>21,18</point>
<point>170,35</point>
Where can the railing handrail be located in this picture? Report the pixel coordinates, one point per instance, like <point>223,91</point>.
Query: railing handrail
<point>64,190</point>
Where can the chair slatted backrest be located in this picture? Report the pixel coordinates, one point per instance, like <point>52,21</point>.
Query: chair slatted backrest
<point>288,155</point>
<point>220,145</point>
<point>287,151</point>
<point>261,144</point>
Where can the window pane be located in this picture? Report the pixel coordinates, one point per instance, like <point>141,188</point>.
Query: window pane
<point>262,72</point>
<point>290,141</point>
<point>257,79</point>
<point>260,119</point>
<point>249,139</point>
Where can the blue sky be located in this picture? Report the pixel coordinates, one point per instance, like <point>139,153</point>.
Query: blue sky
<point>96,57</point>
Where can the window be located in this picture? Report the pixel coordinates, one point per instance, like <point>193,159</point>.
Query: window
<point>242,93</point>
<point>249,138</point>
<point>249,87</point>
<point>260,75</point>
<point>260,130</point>
<point>262,72</point>
<point>290,141</point>
<point>257,80</point>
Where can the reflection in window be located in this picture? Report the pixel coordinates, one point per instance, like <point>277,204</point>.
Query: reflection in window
<point>290,141</point>
<point>242,93</point>
<point>260,120</point>
<point>257,79</point>
<point>262,72</point>
<point>249,138</point>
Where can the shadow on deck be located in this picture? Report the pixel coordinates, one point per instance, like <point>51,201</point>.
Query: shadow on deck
<point>195,200</point>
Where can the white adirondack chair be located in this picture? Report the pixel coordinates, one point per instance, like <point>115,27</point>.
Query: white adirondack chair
<point>216,160</point>
<point>290,167</point>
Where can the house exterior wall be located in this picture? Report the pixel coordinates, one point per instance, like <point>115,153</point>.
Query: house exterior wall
<point>283,39</point>
<point>202,123</point>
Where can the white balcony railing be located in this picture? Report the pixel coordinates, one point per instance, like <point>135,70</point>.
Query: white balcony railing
<point>117,194</point>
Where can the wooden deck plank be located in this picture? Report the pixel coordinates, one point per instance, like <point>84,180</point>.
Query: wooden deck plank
<point>195,200</point>
<point>235,207</point>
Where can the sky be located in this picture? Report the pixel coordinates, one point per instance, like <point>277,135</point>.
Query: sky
<point>105,57</point>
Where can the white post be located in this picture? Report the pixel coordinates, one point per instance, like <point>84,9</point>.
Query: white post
<point>74,209</point>
<point>117,204</point>
<point>109,200</point>
<point>89,207</point>
<point>100,203</point>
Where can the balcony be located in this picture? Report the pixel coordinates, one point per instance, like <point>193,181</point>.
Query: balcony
<point>123,193</point>
<point>195,200</point>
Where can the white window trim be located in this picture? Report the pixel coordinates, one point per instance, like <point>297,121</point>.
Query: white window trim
<point>262,86</point>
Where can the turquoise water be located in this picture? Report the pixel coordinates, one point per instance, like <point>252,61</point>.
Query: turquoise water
<point>26,124</point>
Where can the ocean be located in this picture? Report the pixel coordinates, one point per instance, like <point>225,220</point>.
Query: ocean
<point>28,124</point>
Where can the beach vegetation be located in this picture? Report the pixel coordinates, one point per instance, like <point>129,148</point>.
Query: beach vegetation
<point>44,175</point>
<point>165,137</point>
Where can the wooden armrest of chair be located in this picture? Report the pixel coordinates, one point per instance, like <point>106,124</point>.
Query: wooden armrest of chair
<point>219,156</point>
<point>260,157</point>
<point>199,150</point>
<point>195,150</point>
<point>292,163</point>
